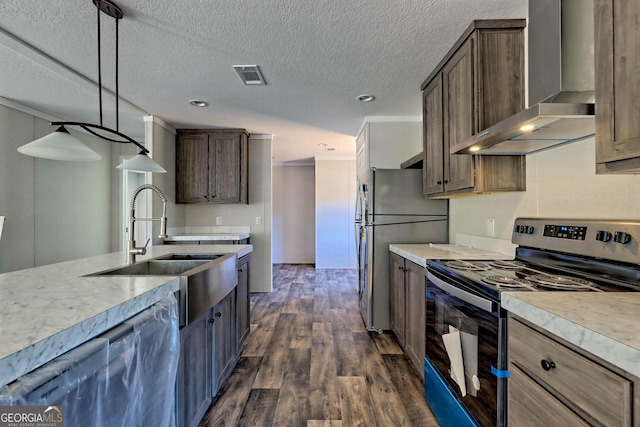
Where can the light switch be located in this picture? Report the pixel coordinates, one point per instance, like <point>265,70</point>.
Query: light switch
<point>218,220</point>
<point>258,220</point>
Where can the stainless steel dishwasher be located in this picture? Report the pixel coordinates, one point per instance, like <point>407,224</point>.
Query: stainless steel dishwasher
<point>124,377</point>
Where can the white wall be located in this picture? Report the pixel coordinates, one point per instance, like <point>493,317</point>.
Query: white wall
<point>55,211</point>
<point>161,143</point>
<point>293,236</point>
<point>561,183</point>
<point>245,215</point>
<point>335,205</point>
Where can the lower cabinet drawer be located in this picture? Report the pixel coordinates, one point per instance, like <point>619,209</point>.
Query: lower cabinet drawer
<point>590,387</point>
<point>532,406</point>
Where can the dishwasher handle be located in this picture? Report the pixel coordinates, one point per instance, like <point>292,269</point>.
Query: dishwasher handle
<point>475,300</point>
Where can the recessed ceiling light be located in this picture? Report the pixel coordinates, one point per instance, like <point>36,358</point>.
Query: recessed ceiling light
<point>474,148</point>
<point>365,98</point>
<point>198,103</point>
<point>527,128</point>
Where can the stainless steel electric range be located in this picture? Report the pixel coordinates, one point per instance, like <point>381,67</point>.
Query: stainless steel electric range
<point>466,364</point>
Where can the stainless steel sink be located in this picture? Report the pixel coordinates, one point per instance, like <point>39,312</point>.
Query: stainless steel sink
<point>205,279</point>
<point>154,267</point>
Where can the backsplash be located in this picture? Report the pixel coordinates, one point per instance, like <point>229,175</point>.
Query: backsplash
<point>561,183</point>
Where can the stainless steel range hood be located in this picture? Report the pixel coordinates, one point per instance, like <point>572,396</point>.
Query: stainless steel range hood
<point>560,84</point>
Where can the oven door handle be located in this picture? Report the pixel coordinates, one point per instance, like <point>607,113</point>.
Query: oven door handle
<point>475,300</point>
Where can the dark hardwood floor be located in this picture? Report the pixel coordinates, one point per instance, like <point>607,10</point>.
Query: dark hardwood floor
<point>309,361</point>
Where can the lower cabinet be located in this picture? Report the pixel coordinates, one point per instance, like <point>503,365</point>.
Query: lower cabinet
<point>194,372</point>
<point>553,383</point>
<point>209,350</point>
<point>397,297</point>
<point>415,283</point>
<point>243,302</point>
<point>224,341</point>
<point>408,309</point>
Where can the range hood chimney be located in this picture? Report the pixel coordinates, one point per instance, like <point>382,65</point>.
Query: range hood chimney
<point>560,84</point>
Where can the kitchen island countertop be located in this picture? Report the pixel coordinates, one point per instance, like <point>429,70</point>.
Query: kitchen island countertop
<point>603,324</point>
<point>48,310</point>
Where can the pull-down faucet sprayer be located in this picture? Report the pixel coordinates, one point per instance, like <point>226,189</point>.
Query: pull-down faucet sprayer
<point>132,250</point>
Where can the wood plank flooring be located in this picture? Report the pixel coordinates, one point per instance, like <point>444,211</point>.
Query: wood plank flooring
<point>309,361</point>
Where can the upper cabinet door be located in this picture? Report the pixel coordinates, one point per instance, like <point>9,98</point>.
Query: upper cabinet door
<point>192,168</point>
<point>459,120</point>
<point>226,167</point>
<point>617,85</point>
<point>433,162</point>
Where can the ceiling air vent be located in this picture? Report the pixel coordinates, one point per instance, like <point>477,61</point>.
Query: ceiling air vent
<point>250,74</point>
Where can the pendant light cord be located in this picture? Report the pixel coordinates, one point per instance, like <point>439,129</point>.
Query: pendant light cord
<point>100,70</point>
<point>117,96</point>
<point>99,66</point>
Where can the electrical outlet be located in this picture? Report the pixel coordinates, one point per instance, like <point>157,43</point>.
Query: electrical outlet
<point>258,220</point>
<point>491,227</point>
<point>218,220</point>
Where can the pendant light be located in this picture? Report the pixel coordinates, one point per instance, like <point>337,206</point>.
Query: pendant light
<point>61,145</point>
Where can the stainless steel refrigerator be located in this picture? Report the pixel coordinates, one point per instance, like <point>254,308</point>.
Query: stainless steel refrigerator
<point>390,209</point>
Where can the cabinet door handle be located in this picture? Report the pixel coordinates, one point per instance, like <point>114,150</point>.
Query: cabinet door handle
<point>211,320</point>
<point>546,365</point>
<point>239,270</point>
<point>218,314</point>
<point>439,182</point>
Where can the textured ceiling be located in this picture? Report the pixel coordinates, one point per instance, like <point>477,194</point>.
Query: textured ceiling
<point>316,57</point>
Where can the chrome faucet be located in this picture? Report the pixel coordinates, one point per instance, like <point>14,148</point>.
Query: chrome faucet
<point>132,250</point>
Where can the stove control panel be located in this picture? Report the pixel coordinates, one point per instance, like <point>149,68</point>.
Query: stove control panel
<point>565,232</point>
<point>617,240</point>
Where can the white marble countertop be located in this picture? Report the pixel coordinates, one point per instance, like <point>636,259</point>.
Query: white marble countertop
<point>46,311</point>
<point>604,324</point>
<point>420,253</point>
<point>206,236</point>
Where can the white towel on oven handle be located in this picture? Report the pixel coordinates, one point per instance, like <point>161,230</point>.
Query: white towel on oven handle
<point>453,346</point>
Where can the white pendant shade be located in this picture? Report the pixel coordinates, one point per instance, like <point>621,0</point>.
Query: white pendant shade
<point>141,163</point>
<point>59,145</point>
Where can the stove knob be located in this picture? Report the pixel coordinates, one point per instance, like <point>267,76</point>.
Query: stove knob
<point>621,237</point>
<point>529,229</point>
<point>603,236</point>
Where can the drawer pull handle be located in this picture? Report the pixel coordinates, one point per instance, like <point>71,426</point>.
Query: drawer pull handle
<point>546,365</point>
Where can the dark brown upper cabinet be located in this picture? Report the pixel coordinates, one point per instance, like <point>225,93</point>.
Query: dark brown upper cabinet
<point>477,84</point>
<point>617,86</point>
<point>211,166</point>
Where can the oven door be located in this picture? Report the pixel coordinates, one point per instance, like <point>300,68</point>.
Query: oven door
<point>464,343</point>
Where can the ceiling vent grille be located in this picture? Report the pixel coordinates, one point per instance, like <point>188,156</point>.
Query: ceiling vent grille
<point>250,74</point>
